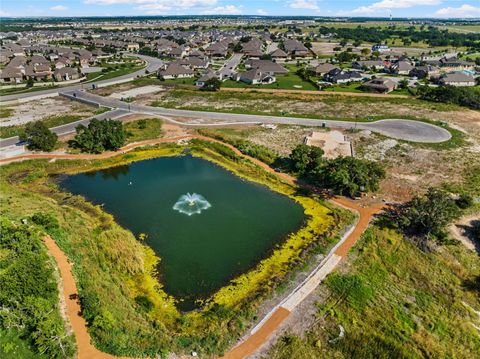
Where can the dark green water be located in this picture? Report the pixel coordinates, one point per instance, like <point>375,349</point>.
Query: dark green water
<point>201,253</point>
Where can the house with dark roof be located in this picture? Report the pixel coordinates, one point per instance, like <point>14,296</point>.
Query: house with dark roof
<point>339,76</point>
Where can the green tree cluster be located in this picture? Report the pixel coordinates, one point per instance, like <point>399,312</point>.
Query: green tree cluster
<point>212,84</point>
<point>39,137</point>
<point>463,96</point>
<point>28,292</point>
<point>343,175</point>
<point>100,136</point>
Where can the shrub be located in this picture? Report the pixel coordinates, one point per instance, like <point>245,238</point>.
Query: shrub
<point>39,137</point>
<point>99,136</point>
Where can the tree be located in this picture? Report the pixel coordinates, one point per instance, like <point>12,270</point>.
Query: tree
<point>305,159</point>
<point>350,176</point>
<point>365,51</point>
<point>403,83</point>
<point>212,84</point>
<point>429,215</point>
<point>99,136</point>
<point>343,42</point>
<point>39,137</point>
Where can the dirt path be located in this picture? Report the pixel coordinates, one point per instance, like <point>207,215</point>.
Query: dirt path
<point>311,92</point>
<point>85,349</point>
<point>271,323</point>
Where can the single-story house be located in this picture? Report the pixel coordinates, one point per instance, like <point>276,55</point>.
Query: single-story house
<point>401,68</point>
<point>381,85</point>
<point>255,76</point>
<point>207,75</point>
<point>322,69</point>
<point>266,66</point>
<point>340,77</point>
<point>66,74</point>
<point>457,79</point>
<point>174,71</point>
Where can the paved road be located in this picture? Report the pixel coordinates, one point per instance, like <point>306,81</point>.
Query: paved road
<point>414,131</point>
<point>153,64</point>
<point>69,127</point>
<point>229,67</point>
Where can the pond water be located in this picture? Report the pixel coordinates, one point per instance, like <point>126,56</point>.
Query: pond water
<point>234,224</point>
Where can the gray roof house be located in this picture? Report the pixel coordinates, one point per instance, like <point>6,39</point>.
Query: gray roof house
<point>255,77</point>
<point>457,79</point>
<point>381,85</point>
<point>175,70</point>
<point>266,66</point>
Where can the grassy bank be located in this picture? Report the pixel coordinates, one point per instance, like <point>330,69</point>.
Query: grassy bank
<point>395,301</point>
<point>125,306</point>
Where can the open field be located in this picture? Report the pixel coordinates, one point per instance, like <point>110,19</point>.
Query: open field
<point>392,300</point>
<point>53,111</point>
<point>305,105</point>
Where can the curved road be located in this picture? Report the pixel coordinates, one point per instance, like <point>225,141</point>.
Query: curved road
<point>153,64</point>
<point>408,130</point>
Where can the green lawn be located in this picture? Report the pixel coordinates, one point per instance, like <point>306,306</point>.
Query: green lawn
<point>99,76</point>
<point>144,129</point>
<point>13,91</point>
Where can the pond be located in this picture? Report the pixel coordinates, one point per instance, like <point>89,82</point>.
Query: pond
<point>206,224</point>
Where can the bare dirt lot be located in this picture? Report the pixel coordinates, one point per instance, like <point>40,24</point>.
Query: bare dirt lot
<point>43,108</point>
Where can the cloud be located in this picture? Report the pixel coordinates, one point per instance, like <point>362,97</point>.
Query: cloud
<point>465,10</point>
<point>262,12</point>
<point>386,5</point>
<point>184,4</point>
<point>4,13</point>
<point>223,10</point>
<point>304,4</point>
<point>59,8</point>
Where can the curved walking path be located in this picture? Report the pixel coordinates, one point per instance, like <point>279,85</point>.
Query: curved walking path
<point>271,322</point>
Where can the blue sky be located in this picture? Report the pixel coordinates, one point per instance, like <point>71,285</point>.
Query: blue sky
<point>398,8</point>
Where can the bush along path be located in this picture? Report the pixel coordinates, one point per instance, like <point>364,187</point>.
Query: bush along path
<point>271,322</point>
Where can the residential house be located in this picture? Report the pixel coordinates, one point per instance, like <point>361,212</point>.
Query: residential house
<point>255,77</point>
<point>207,75</point>
<point>175,70</point>
<point>401,68</point>
<point>66,74</point>
<point>381,85</point>
<point>322,69</point>
<point>339,76</point>
<point>295,48</point>
<point>369,65</point>
<point>266,66</point>
<point>278,55</point>
<point>134,47</point>
<point>457,79</point>
<point>380,48</point>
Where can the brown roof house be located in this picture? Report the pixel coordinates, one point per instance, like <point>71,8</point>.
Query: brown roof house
<point>381,85</point>
<point>174,71</point>
<point>66,74</point>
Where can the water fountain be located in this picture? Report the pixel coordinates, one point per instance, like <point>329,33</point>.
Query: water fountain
<point>190,204</point>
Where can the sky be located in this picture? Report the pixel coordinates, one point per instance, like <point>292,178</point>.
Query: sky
<point>362,8</point>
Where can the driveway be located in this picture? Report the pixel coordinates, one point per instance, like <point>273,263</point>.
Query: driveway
<point>229,67</point>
